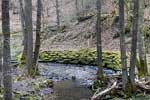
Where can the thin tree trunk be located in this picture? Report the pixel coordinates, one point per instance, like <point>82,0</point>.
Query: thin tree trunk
<point>143,70</point>
<point>123,45</point>
<point>38,31</point>
<point>134,45</point>
<point>22,17</point>
<point>29,27</point>
<point>57,14</point>
<point>7,80</point>
<point>82,5</point>
<point>1,59</point>
<point>77,10</point>
<point>99,45</point>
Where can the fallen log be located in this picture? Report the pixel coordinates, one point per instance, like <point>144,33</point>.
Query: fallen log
<point>99,94</point>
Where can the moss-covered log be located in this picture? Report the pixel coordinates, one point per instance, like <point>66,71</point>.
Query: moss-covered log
<point>83,57</point>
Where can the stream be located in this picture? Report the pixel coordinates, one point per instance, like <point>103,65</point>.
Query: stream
<point>71,82</point>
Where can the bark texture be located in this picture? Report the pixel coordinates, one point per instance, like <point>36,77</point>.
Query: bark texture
<point>142,67</point>
<point>7,79</point>
<point>57,14</point>
<point>28,23</point>
<point>123,45</point>
<point>23,26</point>
<point>99,44</point>
<point>134,45</point>
<point>38,32</point>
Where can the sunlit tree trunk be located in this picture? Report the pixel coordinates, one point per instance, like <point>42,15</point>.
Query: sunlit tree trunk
<point>142,67</point>
<point>123,45</point>
<point>99,45</point>
<point>134,45</point>
<point>38,32</point>
<point>7,79</point>
<point>29,27</point>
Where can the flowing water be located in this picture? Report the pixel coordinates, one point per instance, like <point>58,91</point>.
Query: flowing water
<point>71,82</point>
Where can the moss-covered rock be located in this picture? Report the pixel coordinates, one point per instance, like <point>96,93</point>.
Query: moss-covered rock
<point>83,57</point>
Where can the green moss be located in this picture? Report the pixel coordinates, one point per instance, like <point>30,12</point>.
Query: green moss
<point>83,57</point>
<point>32,97</point>
<point>26,97</point>
<point>146,31</point>
<point>22,59</point>
<point>62,28</point>
<point>16,95</point>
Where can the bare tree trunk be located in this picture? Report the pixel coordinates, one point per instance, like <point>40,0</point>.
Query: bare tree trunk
<point>134,45</point>
<point>77,10</point>
<point>57,14</point>
<point>22,17</point>
<point>7,80</point>
<point>99,45</point>
<point>82,6</point>
<point>1,59</point>
<point>29,27</point>
<point>123,45</point>
<point>38,32</point>
<point>142,68</point>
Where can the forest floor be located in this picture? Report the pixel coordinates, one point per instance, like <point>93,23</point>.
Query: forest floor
<point>148,62</point>
<point>76,35</point>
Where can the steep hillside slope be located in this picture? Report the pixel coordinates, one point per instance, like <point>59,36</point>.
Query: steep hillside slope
<point>75,34</point>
